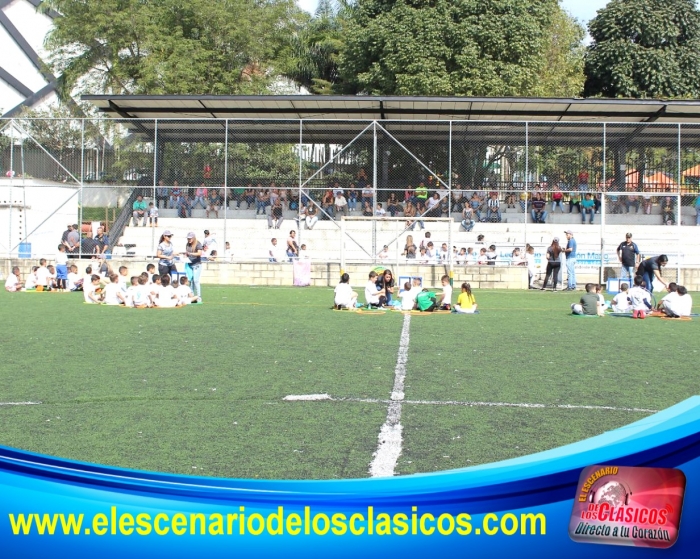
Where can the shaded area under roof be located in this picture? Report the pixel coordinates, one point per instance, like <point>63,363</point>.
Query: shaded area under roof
<point>338,119</point>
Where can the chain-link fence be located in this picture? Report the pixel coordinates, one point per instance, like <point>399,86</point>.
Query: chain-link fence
<point>518,183</point>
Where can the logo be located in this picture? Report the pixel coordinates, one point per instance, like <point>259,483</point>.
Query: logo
<point>621,505</point>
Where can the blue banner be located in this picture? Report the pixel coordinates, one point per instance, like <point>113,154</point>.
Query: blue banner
<point>52,507</point>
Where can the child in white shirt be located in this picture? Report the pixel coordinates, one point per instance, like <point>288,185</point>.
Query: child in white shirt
<point>167,298</point>
<point>445,299</point>
<point>140,296</point>
<point>345,297</point>
<point>184,293</point>
<point>640,299</point>
<point>74,281</point>
<point>152,215</point>
<point>408,297</point>
<point>31,282</point>
<point>113,294</point>
<point>372,296</point>
<point>91,291</point>
<point>621,301</point>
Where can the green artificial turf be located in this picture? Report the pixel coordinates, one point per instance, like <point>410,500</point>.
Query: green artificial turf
<point>200,390</point>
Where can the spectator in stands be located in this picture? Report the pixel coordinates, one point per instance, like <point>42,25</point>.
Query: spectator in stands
<point>193,268</point>
<point>587,208</point>
<point>422,194</point>
<point>64,237</point>
<point>73,239</point>
<point>583,180</point>
<point>184,204</point>
<point>493,208</point>
<point>262,199</point>
<point>292,246</point>
<point>475,203</point>
<point>249,195</point>
<point>361,178</point>
<point>380,211</point>
<point>200,197</point>
<point>140,209</point>
<point>275,219</point>
<point>538,211</point>
<point>433,205</point>
<point>284,197</point>
<point>274,252</point>
<point>341,204</point>
<point>274,194</point>
<point>367,210</point>
<point>215,202</point>
<point>352,198</point>
<point>102,241</point>
<point>632,201</point>
<point>175,193</point>
<point>575,202</point>
<point>367,195</point>
<point>459,199</point>
<point>162,194</point>
<point>392,205</point>
<point>311,216</point>
<point>553,264</point>
<point>491,255</point>
<point>13,282</point>
<point>410,212</point>
<point>409,250</point>
<point>557,198</point>
<point>647,203</point>
<point>327,202</point>
<point>209,243</point>
<point>668,210</point>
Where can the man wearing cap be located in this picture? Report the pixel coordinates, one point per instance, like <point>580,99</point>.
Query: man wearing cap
<point>628,255</point>
<point>570,251</point>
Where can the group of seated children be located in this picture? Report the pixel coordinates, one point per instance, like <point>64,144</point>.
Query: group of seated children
<point>380,288</point>
<point>636,300</point>
<point>143,291</point>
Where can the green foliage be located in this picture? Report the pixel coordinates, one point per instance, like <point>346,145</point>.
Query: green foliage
<point>448,47</point>
<point>644,48</point>
<point>316,47</point>
<point>170,46</point>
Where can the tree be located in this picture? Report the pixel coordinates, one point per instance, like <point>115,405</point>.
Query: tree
<point>447,47</point>
<point>316,47</point>
<point>644,48</point>
<point>171,46</point>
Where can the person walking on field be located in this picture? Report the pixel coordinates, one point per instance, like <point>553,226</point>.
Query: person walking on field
<point>193,268</point>
<point>553,264</point>
<point>570,252</point>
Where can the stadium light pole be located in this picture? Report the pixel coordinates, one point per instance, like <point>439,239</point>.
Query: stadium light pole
<point>679,212</point>
<point>12,183</point>
<point>225,182</point>
<point>155,178</point>
<point>526,177</point>
<point>601,275</point>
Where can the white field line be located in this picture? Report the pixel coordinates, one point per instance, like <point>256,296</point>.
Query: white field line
<point>474,404</point>
<point>390,436</point>
<point>19,403</point>
<point>307,397</point>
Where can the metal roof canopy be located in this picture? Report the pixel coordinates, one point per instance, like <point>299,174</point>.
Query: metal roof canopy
<point>339,119</point>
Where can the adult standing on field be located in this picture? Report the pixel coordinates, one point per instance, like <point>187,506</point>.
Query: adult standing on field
<point>553,264</point>
<point>193,268</point>
<point>650,269</point>
<point>570,252</point>
<point>166,254</point>
<point>628,255</point>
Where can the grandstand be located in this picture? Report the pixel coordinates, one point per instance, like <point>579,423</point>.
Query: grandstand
<point>628,153</point>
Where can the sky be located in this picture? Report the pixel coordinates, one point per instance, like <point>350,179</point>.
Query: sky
<point>583,10</point>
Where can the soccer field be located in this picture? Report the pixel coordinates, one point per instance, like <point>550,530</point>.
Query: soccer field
<point>201,390</point>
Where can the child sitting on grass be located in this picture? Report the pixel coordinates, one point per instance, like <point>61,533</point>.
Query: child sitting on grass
<point>621,301</point>
<point>75,282</point>
<point>92,292</point>
<point>640,298</point>
<point>408,297</point>
<point>184,293</point>
<point>345,297</point>
<point>113,294</point>
<point>466,303</point>
<point>445,298</point>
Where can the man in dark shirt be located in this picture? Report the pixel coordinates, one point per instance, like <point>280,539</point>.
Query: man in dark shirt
<point>101,241</point>
<point>628,255</point>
